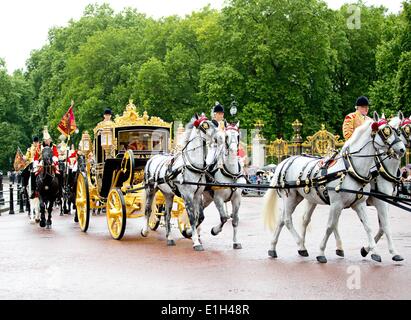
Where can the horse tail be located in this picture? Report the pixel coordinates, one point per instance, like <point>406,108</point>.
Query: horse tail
<point>270,209</point>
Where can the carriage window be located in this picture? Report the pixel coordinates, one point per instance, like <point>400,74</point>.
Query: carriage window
<point>142,140</point>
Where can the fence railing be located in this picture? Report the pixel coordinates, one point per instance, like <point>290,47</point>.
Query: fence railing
<point>12,198</point>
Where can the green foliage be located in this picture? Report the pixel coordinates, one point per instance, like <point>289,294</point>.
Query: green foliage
<point>282,60</point>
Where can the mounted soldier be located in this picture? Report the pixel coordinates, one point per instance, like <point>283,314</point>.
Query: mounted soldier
<point>29,158</point>
<point>47,142</point>
<point>62,148</point>
<point>357,118</point>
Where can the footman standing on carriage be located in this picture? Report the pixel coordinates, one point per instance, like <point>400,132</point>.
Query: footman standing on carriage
<point>357,118</point>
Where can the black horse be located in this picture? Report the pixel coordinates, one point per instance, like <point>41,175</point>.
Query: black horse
<point>69,191</point>
<point>47,186</point>
<point>25,180</point>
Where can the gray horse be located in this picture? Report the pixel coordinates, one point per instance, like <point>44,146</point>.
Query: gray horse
<point>352,171</point>
<point>228,170</point>
<point>167,173</point>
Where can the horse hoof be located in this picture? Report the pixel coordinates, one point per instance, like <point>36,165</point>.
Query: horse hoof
<point>322,259</point>
<point>61,214</point>
<point>144,234</point>
<point>212,232</point>
<point>237,246</point>
<point>272,253</point>
<point>376,257</point>
<point>198,248</point>
<point>364,252</point>
<point>37,220</point>
<point>32,222</point>
<point>397,258</point>
<point>303,253</point>
<point>48,227</point>
<point>186,234</point>
<point>76,219</point>
<point>339,253</point>
<point>42,223</point>
<point>171,243</point>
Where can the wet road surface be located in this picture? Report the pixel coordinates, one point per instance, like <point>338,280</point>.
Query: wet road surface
<point>65,263</point>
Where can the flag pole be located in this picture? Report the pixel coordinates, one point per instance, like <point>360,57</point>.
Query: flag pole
<point>68,145</point>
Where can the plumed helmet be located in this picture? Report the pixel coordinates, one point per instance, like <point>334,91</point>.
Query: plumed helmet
<point>46,135</point>
<point>362,102</point>
<point>218,107</point>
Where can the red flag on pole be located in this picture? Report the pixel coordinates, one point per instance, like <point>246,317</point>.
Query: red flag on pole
<point>67,124</point>
<point>19,163</point>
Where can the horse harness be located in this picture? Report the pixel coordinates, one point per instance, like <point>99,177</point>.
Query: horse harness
<point>171,174</point>
<point>321,178</point>
<point>225,172</point>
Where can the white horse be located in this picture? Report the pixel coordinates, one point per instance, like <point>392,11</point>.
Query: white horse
<point>352,171</point>
<point>167,173</point>
<point>230,171</point>
<point>32,205</point>
<point>386,183</point>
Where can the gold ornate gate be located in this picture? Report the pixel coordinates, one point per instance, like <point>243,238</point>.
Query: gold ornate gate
<point>321,144</point>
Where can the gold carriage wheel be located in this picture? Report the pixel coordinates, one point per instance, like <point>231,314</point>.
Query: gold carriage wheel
<point>184,224</point>
<point>83,202</point>
<point>116,213</point>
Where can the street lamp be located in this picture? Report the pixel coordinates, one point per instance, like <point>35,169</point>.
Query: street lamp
<point>233,106</point>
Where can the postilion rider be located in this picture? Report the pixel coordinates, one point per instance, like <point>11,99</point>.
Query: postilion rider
<point>357,118</point>
<point>351,122</point>
<point>218,116</point>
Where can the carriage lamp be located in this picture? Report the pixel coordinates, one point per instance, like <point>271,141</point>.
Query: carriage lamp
<point>85,142</point>
<point>107,140</point>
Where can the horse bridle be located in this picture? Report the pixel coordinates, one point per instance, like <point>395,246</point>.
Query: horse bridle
<point>203,126</point>
<point>228,142</point>
<point>405,130</point>
<point>384,134</point>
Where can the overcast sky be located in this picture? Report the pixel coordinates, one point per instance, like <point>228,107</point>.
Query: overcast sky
<point>24,24</point>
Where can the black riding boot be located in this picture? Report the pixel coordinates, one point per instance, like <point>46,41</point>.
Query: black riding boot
<point>33,185</point>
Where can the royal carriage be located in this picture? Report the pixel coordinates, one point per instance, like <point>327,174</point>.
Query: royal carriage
<point>114,171</point>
